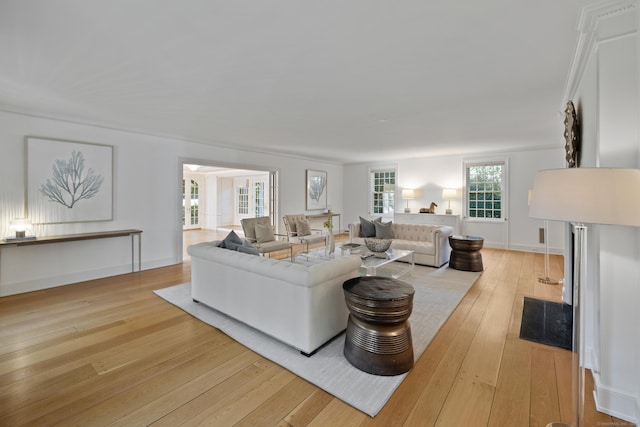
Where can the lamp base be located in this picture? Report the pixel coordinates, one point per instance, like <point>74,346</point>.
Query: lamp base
<point>448,212</point>
<point>407,210</point>
<point>549,281</point>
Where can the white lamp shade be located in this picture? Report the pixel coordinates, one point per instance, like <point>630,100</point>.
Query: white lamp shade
<point>587,195</point>
<point>449,193</point>
<point>20,224</point>
<point>407,194</point>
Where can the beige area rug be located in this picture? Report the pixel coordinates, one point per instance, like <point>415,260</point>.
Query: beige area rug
<point>438,292</point>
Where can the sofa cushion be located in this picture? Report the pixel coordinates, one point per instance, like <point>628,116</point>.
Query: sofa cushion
<point>232,241</point>
<point>367,227</point>
<point>303,227</point>
<point>264,233</point>
<point>384,230</point>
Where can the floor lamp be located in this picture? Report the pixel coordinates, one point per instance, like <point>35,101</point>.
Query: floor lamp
<point>585,196</point>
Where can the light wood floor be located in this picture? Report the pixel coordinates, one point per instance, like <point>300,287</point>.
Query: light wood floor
<point>110,352</point>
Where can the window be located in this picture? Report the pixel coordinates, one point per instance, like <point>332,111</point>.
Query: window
<point>485,190</point>
<point>383,191</point>
<point>243,200</point>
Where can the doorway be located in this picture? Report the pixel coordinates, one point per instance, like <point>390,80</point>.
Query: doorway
<point>216,197</point>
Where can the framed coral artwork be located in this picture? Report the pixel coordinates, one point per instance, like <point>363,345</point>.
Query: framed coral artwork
<point>68,181</point>
<point>316,189</point>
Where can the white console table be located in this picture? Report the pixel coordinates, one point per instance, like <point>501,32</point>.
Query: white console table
<point>429,219</point>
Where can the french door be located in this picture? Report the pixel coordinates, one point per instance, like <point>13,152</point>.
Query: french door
<point>252,197</point>
<point>192,192</point>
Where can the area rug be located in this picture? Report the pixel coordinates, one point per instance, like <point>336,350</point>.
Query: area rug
<point>437,293</point>
<point>547,322</point>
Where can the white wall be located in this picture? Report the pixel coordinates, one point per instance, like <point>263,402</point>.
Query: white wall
<point>431,174</point>
<point>147,196</point>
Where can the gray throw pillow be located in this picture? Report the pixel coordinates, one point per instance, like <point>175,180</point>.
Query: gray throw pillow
<point>248,248</point>
<point>367,227</point>
<point>384,230</point>
<point>232,241</point>
<point>303,227</point>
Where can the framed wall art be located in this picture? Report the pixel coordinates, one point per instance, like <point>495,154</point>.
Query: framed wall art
<point>316,189</point>
<point>68,181</point>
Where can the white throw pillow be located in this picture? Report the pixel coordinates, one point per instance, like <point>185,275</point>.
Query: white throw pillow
<point>264,233</point>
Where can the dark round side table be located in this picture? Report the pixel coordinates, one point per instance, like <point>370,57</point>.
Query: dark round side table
<point>378,337</point>
<point>465,253</point>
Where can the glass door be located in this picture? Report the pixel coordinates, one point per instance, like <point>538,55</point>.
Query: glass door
<point>191,206</point>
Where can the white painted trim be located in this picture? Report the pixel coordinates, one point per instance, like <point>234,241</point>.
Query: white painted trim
<point>587,26</point>
<point>614,402</point>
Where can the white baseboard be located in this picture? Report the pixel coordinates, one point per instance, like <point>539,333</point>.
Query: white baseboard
<point>616,403</point>
<point>523,248</point>
<point>79,276</point>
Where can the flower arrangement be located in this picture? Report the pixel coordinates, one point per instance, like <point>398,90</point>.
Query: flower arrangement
<point>329,222</point>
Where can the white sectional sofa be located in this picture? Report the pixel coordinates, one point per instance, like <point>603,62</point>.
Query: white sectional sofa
<point>430,243</point>
<point>302,306</point>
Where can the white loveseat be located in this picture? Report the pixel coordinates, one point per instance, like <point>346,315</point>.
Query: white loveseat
<point>430,243</point>
<point>302,306</point>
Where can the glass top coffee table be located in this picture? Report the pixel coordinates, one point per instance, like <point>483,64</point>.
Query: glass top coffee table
<point>372,264</point>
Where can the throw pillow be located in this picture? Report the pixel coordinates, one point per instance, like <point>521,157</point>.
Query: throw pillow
<point>384,230</point>
<point>247,248</point>
<point>264,233</point>
<point>367,227</point>
<point>232,241</point>
<point>303,226</point>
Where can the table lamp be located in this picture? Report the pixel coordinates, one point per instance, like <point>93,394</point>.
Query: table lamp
<point>448,194</point>
<point>20,225</point>
<point>407,194</point>
<point>585,196</point>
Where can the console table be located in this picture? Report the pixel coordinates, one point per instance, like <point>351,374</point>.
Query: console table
<point>84,236</point>
<point>325,215</point>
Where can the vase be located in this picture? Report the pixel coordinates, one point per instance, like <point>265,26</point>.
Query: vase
<point>331,244</point>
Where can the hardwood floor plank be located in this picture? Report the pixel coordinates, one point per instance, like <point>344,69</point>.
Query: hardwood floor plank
<point>545,407</point>
<point>308,409</point>
<point>278,405</point>
<point>338,413</point>
<point>513,392</point>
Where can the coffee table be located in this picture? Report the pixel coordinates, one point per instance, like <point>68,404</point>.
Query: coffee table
<point>371,263</point>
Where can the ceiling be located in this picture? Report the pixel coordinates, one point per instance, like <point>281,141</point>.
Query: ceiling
<point>339,80</point>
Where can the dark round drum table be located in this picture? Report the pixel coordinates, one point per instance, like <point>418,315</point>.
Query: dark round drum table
<point>378,337</point>
<point>465,253</point>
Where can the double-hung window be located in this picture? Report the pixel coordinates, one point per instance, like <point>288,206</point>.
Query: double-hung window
<point>383,191</point>
<point>486,190</point>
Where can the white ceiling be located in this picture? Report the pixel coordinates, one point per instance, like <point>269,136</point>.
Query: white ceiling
<point>341,80</point>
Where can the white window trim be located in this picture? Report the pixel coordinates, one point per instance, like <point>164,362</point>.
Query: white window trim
<point>505,188</point>
<point>382,168</point>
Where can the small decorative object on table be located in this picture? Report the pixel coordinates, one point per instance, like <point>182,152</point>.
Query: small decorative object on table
<point>331,244</point>
<point>431,209</point>
<point>377,245</point>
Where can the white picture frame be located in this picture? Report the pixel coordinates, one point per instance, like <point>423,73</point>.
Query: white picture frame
<point>316,190</point>
<point>68,181</point>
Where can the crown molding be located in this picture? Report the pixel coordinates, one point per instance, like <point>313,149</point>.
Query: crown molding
<point>590,18</point>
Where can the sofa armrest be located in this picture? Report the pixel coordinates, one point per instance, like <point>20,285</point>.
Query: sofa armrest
<point>441,246</point>
<point>354,231</point>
